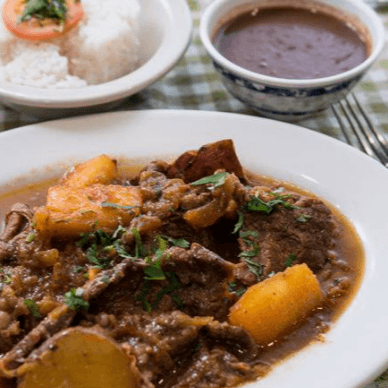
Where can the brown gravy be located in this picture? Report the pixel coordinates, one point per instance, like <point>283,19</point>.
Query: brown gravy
<point>291,42</point>
<point>349,249</point>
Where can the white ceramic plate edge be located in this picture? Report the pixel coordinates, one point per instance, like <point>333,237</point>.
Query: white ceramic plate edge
<point>356,348</point>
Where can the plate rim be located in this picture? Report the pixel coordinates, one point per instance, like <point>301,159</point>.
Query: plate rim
<point>63,128</point>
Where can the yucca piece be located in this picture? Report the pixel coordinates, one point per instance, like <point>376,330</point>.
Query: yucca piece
<point>70,211</point>
<point>270,308</point>
<point>101,169</point>
<point>80,358</point>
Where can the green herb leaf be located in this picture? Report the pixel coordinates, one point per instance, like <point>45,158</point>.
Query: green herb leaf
<point>239,224</point>
<point>233,288</point>
<point>30,237</point>
<point>177,299</point>
<point>116,205</point>
<point>254,267</point>
<point>256,204</point>
<point>302,218</point>
<point>290,259</point>
<point>216,180</point>
<point>139,248</point>
<point>33,307</point>
<point>173,286</point>
<point>77,268</point>
<point>246,233</point>
<point>74,300</point>
<point>177,242</point>
<point>85,240</point>
<point>120,249</point>
<point>93,255</point>
<point>7,278</point>
<point>42,9</point>
<point>154,272</point>
<point>248,254</point>
<point>120,229</point>
<point>143,296</point>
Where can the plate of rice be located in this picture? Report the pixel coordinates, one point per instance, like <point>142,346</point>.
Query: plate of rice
<point>116,49</point>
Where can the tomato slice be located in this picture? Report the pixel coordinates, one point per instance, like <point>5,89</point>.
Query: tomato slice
<point>35,29</point>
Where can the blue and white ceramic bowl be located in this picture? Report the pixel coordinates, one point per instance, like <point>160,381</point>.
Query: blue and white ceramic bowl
<point>280,98</point>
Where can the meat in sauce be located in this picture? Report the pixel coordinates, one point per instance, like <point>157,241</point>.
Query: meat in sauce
<point>155,264</point>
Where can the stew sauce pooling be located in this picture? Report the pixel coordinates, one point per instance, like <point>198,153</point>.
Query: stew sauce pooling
<point>168,271</point>
<point>291,42</point>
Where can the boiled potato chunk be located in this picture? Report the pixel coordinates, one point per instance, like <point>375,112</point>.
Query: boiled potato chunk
<point>80,358</point>
<point>70,211</point>
<point>101,169</point>
<point>268,309</point>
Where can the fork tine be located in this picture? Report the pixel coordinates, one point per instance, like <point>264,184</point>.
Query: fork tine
<point>359,124</point>
<point>382,141</point>
<point>363,143</point>
<point>375,139</point>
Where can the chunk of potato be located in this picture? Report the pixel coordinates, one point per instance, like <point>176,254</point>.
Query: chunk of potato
<point>270,308</point>
<point>101,169</point>
<point>70,211</point>
<point>79,358</point>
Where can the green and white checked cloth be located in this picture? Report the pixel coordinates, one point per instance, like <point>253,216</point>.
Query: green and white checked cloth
<point>193,84</point>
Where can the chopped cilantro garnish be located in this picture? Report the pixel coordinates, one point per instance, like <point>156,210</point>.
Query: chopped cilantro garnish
<point>233,288</point>
<point>42,9</point>
<point>77,268</point>
<point>173,286</point>
<point>216,180</point>
<point>93,255</point>
<point>74,300</point>
<point>255,247</point>
<point>256,204</point>
<point>239,224</point>
<point>99,242</point>
<point>254,267</point>
<point>178,242</point>
<point>33,307</point>
<point>30,236</point>
<point>247,233</point>
<point>302,218</point>
<point>116,206</point>
<point>139,248</point>
<point>143,296</point>
<point>118,246</point>
<point>120,229</point>
<point>290,259</point>
<point>153,270</point>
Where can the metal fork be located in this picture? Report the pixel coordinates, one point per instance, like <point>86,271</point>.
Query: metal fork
<point>357,127</point>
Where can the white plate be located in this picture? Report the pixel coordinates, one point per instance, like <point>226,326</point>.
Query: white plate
<point>356,348</point>
<point>165,33</point>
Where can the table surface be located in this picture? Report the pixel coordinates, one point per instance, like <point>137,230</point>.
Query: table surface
<point>193,84</point>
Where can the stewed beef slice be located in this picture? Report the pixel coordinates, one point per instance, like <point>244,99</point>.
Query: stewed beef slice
<point>175,350</point>
<point>301,233</point>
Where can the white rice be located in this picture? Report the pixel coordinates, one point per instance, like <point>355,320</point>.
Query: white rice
<point>104,46</point>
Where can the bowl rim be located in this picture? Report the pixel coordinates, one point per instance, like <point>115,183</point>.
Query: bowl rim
<point>173,46</point>
<point>206,26</point>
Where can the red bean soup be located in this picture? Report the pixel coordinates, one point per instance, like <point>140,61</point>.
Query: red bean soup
<point>293,41</point>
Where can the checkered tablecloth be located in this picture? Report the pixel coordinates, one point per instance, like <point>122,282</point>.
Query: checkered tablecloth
<point>193,84</point>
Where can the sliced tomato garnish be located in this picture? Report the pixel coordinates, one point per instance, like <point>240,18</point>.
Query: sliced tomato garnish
<point>37,29</point>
